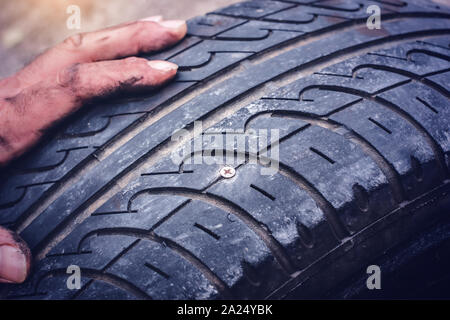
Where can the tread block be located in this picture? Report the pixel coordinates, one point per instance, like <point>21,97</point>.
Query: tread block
<point>428,106</point>
<point>334,180</point>
<point>176,278</point>
<point>211,25</point>
<point>253,9</point>
<point>223,253</point>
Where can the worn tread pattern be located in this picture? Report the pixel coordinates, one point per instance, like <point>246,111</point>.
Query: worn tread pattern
<point>364,136</point>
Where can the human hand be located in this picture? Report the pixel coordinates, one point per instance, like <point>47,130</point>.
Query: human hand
<point>60,81</point>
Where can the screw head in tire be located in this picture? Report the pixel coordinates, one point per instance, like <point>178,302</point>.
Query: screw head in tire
<point>227,172</point>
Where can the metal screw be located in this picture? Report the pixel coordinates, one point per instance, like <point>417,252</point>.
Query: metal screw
<point>227,172</point>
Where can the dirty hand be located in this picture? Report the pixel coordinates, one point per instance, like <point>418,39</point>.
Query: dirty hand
<point>61,80</point>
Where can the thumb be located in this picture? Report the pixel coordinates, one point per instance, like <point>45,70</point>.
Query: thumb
<point>15,257</point>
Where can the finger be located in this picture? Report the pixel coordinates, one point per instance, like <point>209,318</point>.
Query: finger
<point>15,258</point>
<point>124,40</point>
<point>101,79</point>
<point>25,116</point>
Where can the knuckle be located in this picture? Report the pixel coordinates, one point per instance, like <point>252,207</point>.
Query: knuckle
<point>135,61</point>
<point>131,60</point>
<point>73,42</point>
<point>136,65</point>
<point>138,28</point>
<point>69,77</point>
<point>140,25</point>
<point>20,102</point>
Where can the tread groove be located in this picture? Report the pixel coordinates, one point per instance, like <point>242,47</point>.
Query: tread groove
<point>379,125</point>
<point>206,230</point>
<point>157,270</point>
<point>263,192</point>
<point>426,104</point>
<point>322,155</point>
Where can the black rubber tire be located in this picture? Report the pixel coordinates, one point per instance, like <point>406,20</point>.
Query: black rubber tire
<point>364,160</point>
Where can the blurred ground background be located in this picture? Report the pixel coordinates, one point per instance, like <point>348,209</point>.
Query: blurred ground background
<point>28,27</point>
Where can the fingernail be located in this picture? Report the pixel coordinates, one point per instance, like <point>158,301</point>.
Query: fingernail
<point>13,264</point>
<point>174,24</point>
<point>153,18</point>
<point>163,65</point>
